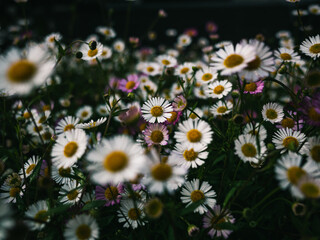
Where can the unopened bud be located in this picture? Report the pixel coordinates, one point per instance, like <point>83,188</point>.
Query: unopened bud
<point>283,70</point>
<point>193,230</point>
<point>235,94</point>
<point>79,55</point>
<point>93,45</point>
<point>238,119</point>
<point>270,146</point>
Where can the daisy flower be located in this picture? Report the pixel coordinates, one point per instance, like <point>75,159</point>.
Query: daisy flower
<point>167,61</point>
<point>309,187</point>
<point>91,124</point>
<point>213,218</point>
<point>129,84</point>
<point>69,147</point>
<point>290,122</point>
<point>272,112</point>
<point>221,108</point>
<point>247,149</point>
<point>163,175</point>
<point>206,75</point>
<point>289,171</point>
<point>314,9</point>
<point>175,117</point>
<point>189,156</point>
<point>116,160</point>
<point>119,46</point>
<point>66,124</point>
<point>218,89</point>
<point>151,68</point>
<point>194,133</point>
<point>131,215</point>
<point>255,130</point>
<point>81,227</point>
<point>153,208</point>
<point>51,38</point>
<point>37,211</point>
<point>106,53</point>
<point>286,55</point>
<point>184,40</point>
<point>184,69</point>
<point>193,191</point>
<point>71,192</point>
<point>286,139</point>
<point>10,193</point>
<point>156,134</point>
<point>254,87</point>
<point>261,66</point>
<point>62,175</point>
<point>29,166</point>
<point>20,75</point>
<point>156,109</point>
<point>194,113</point>
<point>102,110</point>
<point>222,44</point>
<point>179,103</point>
<point>88,54</point>
<point>231,60</point>
<point>84,113</point>
<point>106,31</point>
<point>112,194</point>
<point>314,149</point>
<point>311,47</point>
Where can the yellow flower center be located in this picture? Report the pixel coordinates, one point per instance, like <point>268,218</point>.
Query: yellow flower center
<point>290,140</point>
<point>165,62</point>
<point>314,115</point>
<point>190,155</point>
<point>14,192</point>
<point>221,109</point>
<point>313,79</point>
<point>92,53</point>
<point>46,108</point>
<point>41,215</point>
<point>64,172</point>
<point>315,48</point>
<point>294,174</point>
<point>285,56</point>
<point>184,70</point>
<point>46,136</point>
<point>194,135</point>
<point>83,232</point>
<point>30,168</point>
<point>287,123</point>
<point>51,39</point>
<point>130,84</point>
<point>116,161</point>
<point>150,69</point>
<point>111,193</point>
<point>196,195</point>
<point>161,172</point>
<point>40,128</point>
<point>42,119</point>
<point>249,150</point>
<point>156,136</point>
<point>254,64</point>
<point>134,213</point>
<point>250,87</point>
<point>173,117</point>
<point>271,114</point>
<point>72,195</point>
<point>70,149</point>
<point>156,111</point>
<point>107,32</point>
<point>215,222</point>
<point>233,60</point>
<point>84,114</point>
<point>207,77</point>
<point>310,190</point>
<point>218,89</point>
<point>154,208</point>
<point>21,71</point>
<point>193,116</point>
<point>26,115</point>
<point>315,153</point>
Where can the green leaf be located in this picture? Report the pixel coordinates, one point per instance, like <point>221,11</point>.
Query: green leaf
<point>93,204</point>
<point>171,234</point>
<point>231,193</point>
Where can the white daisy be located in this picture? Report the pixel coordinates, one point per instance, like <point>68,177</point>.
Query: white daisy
<point>289,170</point>
<point>194,113</point>
<point>288,139</point>
<point>163,175</point>
<point>231,60</point>
<point>35,130</point>
<point>156,109</point>
<point>206,75</point>
<point>167,61</point>
<point>29,166</point>
<point>70,192</point>
<point>69,147</point>
<point>102,110</point>
<point>81,227</point>
<point>309,187</point>
<point>84,113</point>
<point>10,193</point>
<point>106,31</point>
<point>51,38</point>
<point>218,89</point>
<point>247,149</point>
<point>184,40</point>
<point>61,175</point>
<point>221,108</point>
<point>150,68</point>
<point>37,211</point>
<point>314,149</point>
<point>106,53</point>
<point>20,75</point>
<point>66,124</point>
<point>255,130</point>
<point>131,215</point>
<point>194,132</point>
<point>311,46</point>
<point>193,191</point>
<point>286,55</point>
<point>185,69</point>
<point>189,156</point>
<point>116,160</point>
<point>314,9</point>
<point>119,46</point>
<point>88,54</point>
<point>91,124</point>
<point>272,112</point>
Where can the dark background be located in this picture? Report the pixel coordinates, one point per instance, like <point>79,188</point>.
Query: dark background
<point>236,19</point>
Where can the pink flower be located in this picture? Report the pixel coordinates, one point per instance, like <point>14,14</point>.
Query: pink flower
<point>110,193</point>
<point>254,87</point>
<point>129,84</point>
<point>156,134</point>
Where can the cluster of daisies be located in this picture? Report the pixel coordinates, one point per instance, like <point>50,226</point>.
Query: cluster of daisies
<point>153,127</point>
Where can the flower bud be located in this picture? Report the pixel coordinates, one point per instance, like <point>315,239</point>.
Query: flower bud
<point>93,45</point>
<point>193,230</point>
<point>79,55</point>
<point>238,119</point>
